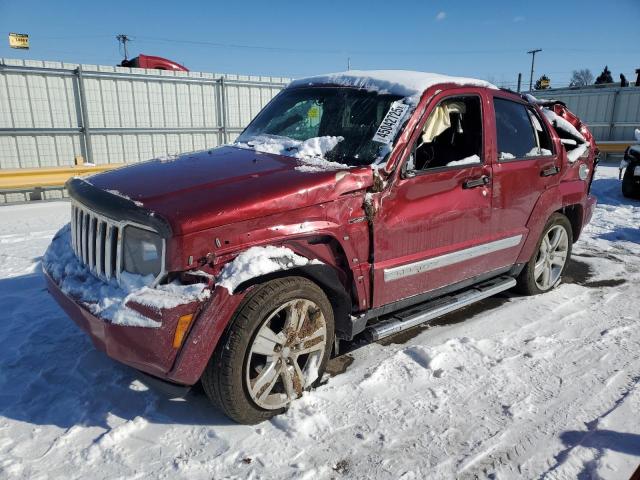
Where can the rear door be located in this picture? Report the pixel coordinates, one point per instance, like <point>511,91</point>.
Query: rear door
<point>525,164</point>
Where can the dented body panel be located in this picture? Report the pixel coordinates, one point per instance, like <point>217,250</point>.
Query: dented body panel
<point>386,236</point>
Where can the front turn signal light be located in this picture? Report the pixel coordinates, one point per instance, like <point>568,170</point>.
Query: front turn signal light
<point>183,325</point>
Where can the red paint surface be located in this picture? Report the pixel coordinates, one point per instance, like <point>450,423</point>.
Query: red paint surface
<point>153,62</point>
<point>224,201</point>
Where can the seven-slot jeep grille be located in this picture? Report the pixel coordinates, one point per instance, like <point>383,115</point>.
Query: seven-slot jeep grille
<point>96,241</point>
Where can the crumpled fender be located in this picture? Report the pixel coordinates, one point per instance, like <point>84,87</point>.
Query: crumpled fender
<point>548,202</point>
<point>204,336</point>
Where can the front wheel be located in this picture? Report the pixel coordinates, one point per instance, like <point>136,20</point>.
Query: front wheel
<point>546,266</point>
<point>276,347</point>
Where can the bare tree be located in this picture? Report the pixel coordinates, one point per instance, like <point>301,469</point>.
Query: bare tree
<point>581,78</point>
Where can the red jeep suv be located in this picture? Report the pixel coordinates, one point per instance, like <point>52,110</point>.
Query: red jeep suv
<point>354,203</point>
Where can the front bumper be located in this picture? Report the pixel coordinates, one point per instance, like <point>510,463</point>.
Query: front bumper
<point>147,349</point>
<point>150,350</point>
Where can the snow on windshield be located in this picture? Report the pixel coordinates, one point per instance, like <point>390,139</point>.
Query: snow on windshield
<point>310,152</point>
<point>397,82</point>
<point>343,126</point>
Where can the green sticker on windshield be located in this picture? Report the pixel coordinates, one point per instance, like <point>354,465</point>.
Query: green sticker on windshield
<point>313,113</point>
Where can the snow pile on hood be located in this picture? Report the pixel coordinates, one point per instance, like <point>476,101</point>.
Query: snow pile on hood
<point>108,300</point>
<point>397,82</point>
<point>257,261</point>
<point>310,152</point>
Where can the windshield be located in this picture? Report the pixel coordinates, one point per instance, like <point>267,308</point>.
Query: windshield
<point>343,121</point>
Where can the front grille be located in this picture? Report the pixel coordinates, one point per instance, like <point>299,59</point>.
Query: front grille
<point>96,241</point>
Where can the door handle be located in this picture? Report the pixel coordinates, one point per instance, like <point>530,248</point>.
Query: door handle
<point>476,182</point>
<point>549,171</point>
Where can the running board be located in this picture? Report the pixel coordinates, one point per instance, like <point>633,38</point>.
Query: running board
<point>436,308</point>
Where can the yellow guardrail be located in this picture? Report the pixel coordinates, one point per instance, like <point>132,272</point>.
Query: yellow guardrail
<point>613,146</point>
<point>26,178</point>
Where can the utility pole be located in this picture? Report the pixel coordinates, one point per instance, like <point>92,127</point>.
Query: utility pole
<point>348,63</point>
<point>519,81</point>
<point>533,59</point>
<point>123,39</point>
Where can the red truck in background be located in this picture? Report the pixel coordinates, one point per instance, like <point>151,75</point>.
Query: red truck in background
<point>150,61</point>
<point>361,203</point>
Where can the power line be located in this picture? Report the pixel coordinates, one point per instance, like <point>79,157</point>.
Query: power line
<point>439,51</point>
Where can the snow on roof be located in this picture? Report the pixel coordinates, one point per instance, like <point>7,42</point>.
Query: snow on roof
<point>398,82</point>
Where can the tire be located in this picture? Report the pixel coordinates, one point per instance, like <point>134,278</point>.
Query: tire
<point>630,185</point>
<point>239,377</point>
<point>531,281</point>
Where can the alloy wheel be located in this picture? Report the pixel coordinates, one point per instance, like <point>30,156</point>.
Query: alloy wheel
<point>286,353</point>
<point>551,257</point>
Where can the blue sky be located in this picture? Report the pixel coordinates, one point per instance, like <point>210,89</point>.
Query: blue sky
<point>295,38</point>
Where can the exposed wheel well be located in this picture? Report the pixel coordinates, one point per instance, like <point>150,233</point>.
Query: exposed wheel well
<point>575,214</point>
<point>327,279</point>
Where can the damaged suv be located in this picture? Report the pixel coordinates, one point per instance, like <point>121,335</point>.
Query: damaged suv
<point>361,203</point>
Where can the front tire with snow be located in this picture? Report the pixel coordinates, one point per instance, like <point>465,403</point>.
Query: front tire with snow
<point>545,268</point>
<point>276,346</point>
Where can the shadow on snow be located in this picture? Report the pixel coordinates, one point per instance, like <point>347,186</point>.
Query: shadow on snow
<point>51,373</point>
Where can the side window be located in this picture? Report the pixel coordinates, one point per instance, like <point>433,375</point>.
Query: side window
<point>451,136</point>
<point>545,147</point>
<point>516,136</point>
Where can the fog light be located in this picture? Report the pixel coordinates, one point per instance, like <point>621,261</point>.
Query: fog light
<point>183,325</point>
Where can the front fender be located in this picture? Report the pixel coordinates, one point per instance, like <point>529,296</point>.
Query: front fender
<point>204,336</point>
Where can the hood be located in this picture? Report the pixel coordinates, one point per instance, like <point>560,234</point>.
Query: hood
<point>225,185</point>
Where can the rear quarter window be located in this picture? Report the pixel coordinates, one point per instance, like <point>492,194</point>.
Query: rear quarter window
<point>515,135</point>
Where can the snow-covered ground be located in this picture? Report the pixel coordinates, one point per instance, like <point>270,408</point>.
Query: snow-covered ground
<point>513,387</point>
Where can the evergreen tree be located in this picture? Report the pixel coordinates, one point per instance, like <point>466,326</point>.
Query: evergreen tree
<point>604,77</point>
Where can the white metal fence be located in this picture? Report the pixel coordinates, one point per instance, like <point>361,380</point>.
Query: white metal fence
<point>612,113</point>
<point>51,112</point>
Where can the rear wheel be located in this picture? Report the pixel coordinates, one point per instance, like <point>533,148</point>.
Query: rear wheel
<point>545,268</point>
<point>276,347</point>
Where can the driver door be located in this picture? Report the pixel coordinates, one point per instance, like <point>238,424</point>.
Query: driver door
<point>434,227</point>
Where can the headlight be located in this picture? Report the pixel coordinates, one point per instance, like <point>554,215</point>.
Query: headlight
<point>142,251</point>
